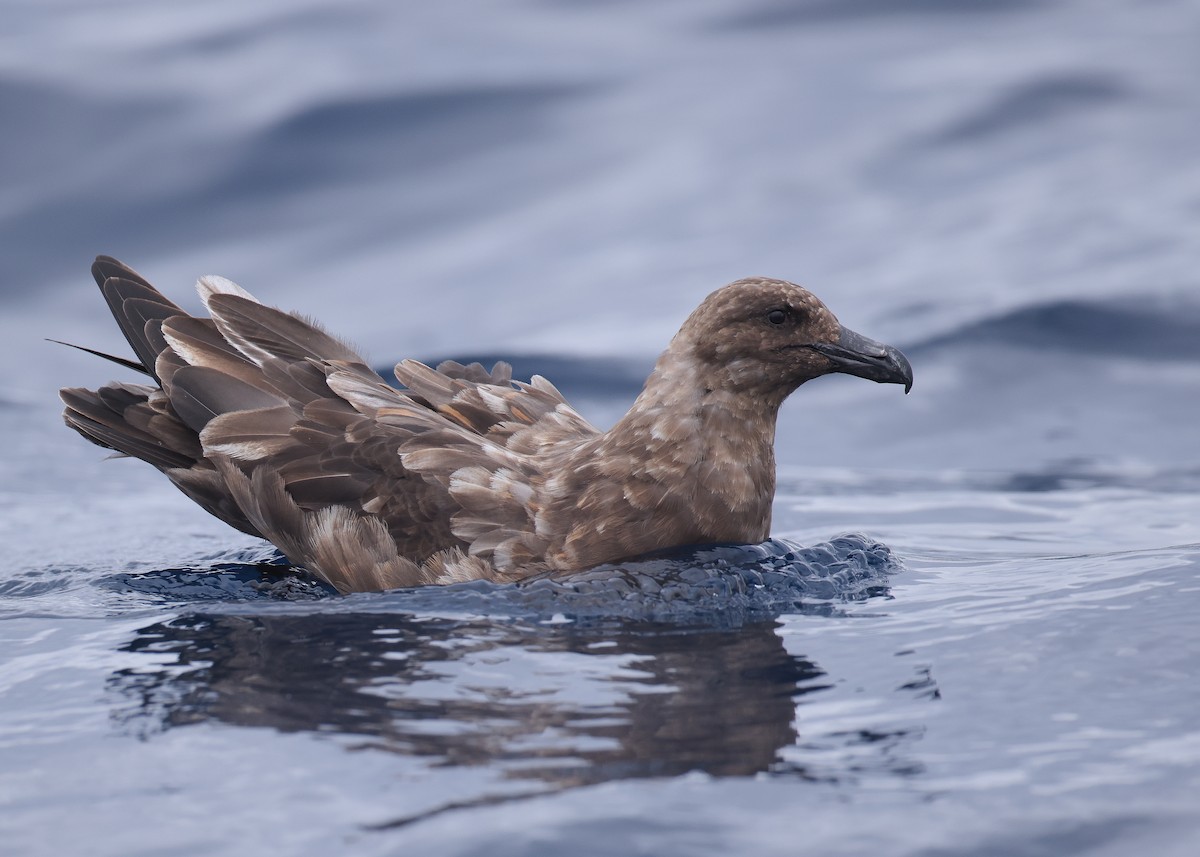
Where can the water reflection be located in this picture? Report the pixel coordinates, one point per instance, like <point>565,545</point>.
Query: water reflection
<point>563,704</point>
<point>655,668</point>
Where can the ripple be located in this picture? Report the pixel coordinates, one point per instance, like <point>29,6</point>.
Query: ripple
<point>724,585</point>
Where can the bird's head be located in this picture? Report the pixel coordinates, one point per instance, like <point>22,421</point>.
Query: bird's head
<point>767,337</point>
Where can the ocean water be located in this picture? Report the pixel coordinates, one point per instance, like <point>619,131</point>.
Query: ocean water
<point>975,630</point>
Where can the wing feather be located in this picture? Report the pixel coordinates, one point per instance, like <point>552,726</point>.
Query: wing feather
<point>281,430</point>
<point>261,332</point>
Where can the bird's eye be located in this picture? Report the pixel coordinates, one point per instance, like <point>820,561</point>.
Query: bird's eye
<point>777,316</point>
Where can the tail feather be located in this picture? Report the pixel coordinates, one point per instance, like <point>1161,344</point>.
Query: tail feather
<point>103,422</point>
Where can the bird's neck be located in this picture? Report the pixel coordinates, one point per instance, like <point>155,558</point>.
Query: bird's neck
<point>717,446</point>
<point>690,463</point>
<point>705,422</point>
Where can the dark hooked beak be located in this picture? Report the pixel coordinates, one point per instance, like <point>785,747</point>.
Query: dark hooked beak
<point>854,354</point>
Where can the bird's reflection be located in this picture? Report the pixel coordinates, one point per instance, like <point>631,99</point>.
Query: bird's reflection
<point>515,687</point>
<point>562,704</point>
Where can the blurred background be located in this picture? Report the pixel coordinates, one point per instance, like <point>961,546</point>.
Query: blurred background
<point>1008,189</point>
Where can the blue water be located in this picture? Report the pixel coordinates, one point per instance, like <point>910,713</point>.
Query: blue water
<point>975,631</point>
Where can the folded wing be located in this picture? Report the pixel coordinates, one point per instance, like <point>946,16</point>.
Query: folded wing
<point>284,432</point>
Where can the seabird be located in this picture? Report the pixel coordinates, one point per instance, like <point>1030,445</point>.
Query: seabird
<point>283,431</point>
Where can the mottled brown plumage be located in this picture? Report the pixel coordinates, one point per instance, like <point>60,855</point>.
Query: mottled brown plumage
<point>283,432</point>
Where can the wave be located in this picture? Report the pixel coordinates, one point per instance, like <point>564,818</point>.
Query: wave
<point>1113,328</point>
<point>248,181</point>
<point>372,138</point>
<point>1032,104</point>
<point>791,12</point>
